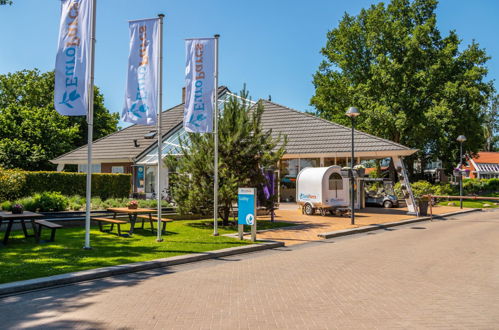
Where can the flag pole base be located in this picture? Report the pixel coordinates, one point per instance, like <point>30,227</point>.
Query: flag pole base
<point>159,240</point>
<point>87,248</point>
<point>216,234</point>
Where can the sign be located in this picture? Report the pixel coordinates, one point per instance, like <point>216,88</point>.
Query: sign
<point>72,64</point>
<point>199,85</point>
<point>246,204</point>
<point>141,94</point>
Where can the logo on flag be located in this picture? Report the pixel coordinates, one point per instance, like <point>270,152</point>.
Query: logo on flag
<point>199,85</point>
<point>72,60</point>
<point>141,97</point>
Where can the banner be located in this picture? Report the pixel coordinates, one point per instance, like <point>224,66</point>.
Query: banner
<point>199,85</point>
<point>72,64</point>
<point>141,94</point>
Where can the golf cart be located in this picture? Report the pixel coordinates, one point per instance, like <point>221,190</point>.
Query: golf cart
<point>379,192</point>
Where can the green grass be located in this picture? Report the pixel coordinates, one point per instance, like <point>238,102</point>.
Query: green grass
<point>23,259</point>
<point>469,203</point>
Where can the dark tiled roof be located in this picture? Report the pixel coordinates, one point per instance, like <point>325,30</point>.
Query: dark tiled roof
<point>308,134</point>
<point>120,145</point>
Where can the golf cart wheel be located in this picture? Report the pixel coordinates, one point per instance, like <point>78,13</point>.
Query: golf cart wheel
<point>309,210</point>
<point>387,204</point>
<point>323,212</point>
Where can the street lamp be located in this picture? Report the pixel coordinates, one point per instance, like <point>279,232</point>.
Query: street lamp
<point>461,139</point>
<point>352,112</point>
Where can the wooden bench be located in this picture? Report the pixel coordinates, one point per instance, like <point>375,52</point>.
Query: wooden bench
<point>152,219</point>
<point>47,224</point>
<point>112,221</point>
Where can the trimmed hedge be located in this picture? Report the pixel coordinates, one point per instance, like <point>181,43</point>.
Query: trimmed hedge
<point>25,183</point>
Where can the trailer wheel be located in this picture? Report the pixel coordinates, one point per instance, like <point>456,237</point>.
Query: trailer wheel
<point>324,212</point>
<point>309,210</point>
<point>387,204</point>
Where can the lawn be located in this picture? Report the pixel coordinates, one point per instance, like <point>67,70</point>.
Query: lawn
<point>470,203</point>
<point>22,259</point>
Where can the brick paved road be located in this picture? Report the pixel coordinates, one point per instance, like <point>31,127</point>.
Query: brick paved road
<point>443,274</point>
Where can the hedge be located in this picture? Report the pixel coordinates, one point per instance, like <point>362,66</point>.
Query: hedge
<point>15,184</point>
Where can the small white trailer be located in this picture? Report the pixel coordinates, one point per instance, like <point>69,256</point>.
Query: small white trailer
<point>323,188</point>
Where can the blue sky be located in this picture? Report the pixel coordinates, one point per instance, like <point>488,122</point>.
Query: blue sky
<point>272,46</point>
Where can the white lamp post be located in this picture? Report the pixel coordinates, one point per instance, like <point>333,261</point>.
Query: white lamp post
<point>352,112</point>
<point>461,139</point>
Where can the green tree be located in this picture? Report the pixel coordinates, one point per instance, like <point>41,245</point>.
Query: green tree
<point>5,2</point>
<point>491,125</point>
<point>33,129</point>
<point>412,85</point>
<point>244,149</point>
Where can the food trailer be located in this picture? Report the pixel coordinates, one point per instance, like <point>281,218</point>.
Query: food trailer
<point>325,189</point>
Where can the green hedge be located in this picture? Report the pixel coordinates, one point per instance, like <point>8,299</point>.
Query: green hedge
<point>15,184</point>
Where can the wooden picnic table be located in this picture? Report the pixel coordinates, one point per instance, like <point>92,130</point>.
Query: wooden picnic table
<point>132,214</point>
<point>25,216</point>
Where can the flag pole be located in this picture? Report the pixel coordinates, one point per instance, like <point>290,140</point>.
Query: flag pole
<point>215,134</point>
<point>160,136</point>
<point>90,122</point>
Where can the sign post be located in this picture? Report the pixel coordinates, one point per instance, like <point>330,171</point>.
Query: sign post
<point>246,214</point>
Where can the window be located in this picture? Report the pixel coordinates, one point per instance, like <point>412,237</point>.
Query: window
<point>96,168</point>
<point>117,169</point>
<point>335,183</point>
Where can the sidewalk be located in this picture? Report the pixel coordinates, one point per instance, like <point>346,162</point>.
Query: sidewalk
<point>309,227</point>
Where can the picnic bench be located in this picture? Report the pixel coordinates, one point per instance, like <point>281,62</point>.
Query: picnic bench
<point>111,221</point>
<point>144,217</point>
<point>47,224</point>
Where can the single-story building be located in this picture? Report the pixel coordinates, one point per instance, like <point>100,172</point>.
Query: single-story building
<point>312,141</point>
<point>484,165</point>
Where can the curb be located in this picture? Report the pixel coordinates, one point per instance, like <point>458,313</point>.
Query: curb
<point>91,274</point>
<point>364,229</point>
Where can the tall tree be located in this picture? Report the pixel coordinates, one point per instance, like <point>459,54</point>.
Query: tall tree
<point>412,85</point>
<point>28,95</point>
<point>491,125</point>
<point>244,149</point>
<point>5,2</point>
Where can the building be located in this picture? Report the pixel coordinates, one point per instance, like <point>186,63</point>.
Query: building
<point>312,141</point>
<point>484,165</point>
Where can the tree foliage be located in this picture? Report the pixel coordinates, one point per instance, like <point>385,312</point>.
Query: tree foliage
<point>491,124</point>
<point>5,2</point>
<point>31,131</point>
<point>413,86</point>
<point>244,149</point>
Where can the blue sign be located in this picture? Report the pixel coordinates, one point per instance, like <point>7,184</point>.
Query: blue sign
<point>246,203</point>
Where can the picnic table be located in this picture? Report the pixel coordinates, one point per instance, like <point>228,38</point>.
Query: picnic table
<point>23,217</point>
<point>132,214</point>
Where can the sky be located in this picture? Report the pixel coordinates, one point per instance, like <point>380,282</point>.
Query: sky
<point>271,46</point>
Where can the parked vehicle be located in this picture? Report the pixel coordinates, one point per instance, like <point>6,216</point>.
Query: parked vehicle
<point>379,192</point>
<point>322,188</point>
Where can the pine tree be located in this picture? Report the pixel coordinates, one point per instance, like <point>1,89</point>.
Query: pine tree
<point>244,149</point>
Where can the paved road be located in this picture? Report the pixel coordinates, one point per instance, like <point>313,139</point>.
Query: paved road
<point>443,274</point>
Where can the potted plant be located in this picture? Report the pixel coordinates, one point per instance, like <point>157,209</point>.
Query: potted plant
<point>421,190</point>
<point>361,170</point>
<point>17,209</point>
<point>132,205</point>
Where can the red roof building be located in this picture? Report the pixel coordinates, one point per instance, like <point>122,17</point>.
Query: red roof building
<point>484,165</point>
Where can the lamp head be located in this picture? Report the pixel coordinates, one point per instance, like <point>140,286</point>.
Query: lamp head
<point>352,112</point>
<point>461,138</point>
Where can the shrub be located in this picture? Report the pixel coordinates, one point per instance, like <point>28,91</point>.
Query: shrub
<point>28,203</point>
<point>12,183</point>
<point>50,201</point>
<point>6,206</point>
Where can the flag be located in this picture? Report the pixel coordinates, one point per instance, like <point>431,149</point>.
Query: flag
<point>141,93</point>
<point>72,74</point>
<point>199,85</point>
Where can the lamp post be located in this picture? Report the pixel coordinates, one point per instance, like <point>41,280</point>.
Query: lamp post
<point>461,139</point>
<point>352,112</point>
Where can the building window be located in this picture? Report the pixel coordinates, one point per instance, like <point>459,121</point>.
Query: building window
<point>96,168</point>
<point>118,169</point>
<point>335,183</point>
<point>309,162</point>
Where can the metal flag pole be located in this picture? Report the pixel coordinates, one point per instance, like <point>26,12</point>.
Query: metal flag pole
<point>90,122</point>
<point>215,135</point>
<point>160,136</point>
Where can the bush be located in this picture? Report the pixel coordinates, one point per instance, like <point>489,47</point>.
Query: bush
<point>12,183</point>
<point>28,203</point>
<point>6,206</point>
<point>50,201</point>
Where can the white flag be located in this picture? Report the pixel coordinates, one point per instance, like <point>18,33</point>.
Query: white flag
<point>73,59</point>
<point>199,85</point>
<point>141,96</point>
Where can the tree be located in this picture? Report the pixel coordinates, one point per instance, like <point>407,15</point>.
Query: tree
<point>5,2</point>
<point>27,96</point>
<point>244,149</point>
<point>413,86</point>
<point>491,125</point>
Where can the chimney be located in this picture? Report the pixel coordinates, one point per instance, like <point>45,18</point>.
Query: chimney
<point>183,94</point>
